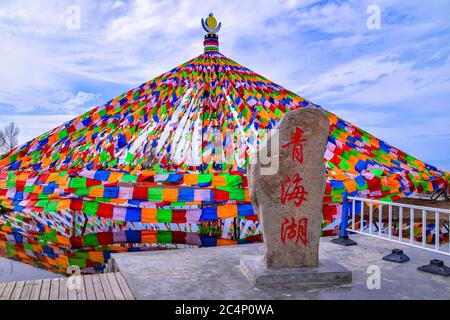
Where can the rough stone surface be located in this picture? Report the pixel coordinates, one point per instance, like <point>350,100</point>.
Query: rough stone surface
<point>328,272</point>
<point>214,273</point>
<point>289,200</point>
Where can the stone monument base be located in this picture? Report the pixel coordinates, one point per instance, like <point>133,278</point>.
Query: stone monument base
<point>328,272</point>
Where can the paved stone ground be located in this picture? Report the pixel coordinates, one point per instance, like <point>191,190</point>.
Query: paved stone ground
<point>213,273</point>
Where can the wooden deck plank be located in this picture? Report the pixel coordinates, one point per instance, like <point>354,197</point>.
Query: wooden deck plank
<point>124,286</point>
<point>98,289</point>
<point>106,287</point>
<point>117,292</point>
<point>63,289</point>
<point>36,290</point>
<point>26,292</point>
<point>81,291</point>
<point>54,289</point>
<point>45,290</point>
<point>6,295</point>
<point>17,290</point>
<point>109,286</point>
<point>2,287</point>
<point>88,284</point>
<point>71,289</point>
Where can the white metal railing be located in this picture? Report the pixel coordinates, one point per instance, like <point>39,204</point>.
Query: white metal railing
<point>402,210</point>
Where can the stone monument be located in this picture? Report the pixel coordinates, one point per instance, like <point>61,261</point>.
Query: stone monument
<point>289,204</point>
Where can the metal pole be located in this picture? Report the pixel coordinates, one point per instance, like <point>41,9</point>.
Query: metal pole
<point>344,216</point>
<point>343,238</point>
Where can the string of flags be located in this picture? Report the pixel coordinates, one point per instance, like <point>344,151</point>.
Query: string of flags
<point>30,241</point>
<point>175,150</point>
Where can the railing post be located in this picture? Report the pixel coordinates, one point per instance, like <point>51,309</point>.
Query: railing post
<point>424,228</point>
<point>380,220</point>
<point>397,255</point>
<point>436,231</point>
<point>411,226</point>
<point>343,238</point>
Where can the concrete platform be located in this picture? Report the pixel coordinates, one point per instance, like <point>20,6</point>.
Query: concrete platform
<point>214,273</point>
<point>328,272</point>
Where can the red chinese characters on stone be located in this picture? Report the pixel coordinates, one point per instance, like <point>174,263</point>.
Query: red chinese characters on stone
<point>296,142</point>
<point>291,190</point>
<point>294,231</point>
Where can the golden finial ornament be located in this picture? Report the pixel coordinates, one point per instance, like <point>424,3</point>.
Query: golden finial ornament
<point>210,24</point>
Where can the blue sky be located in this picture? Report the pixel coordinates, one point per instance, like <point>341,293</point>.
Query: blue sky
<point>393,82</point>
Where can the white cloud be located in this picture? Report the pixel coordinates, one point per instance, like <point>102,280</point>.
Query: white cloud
<point>78,100</point>
<point>57,101</point>
<point>377,80</point>
<point>117,5</point>
<point>332,17</point>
